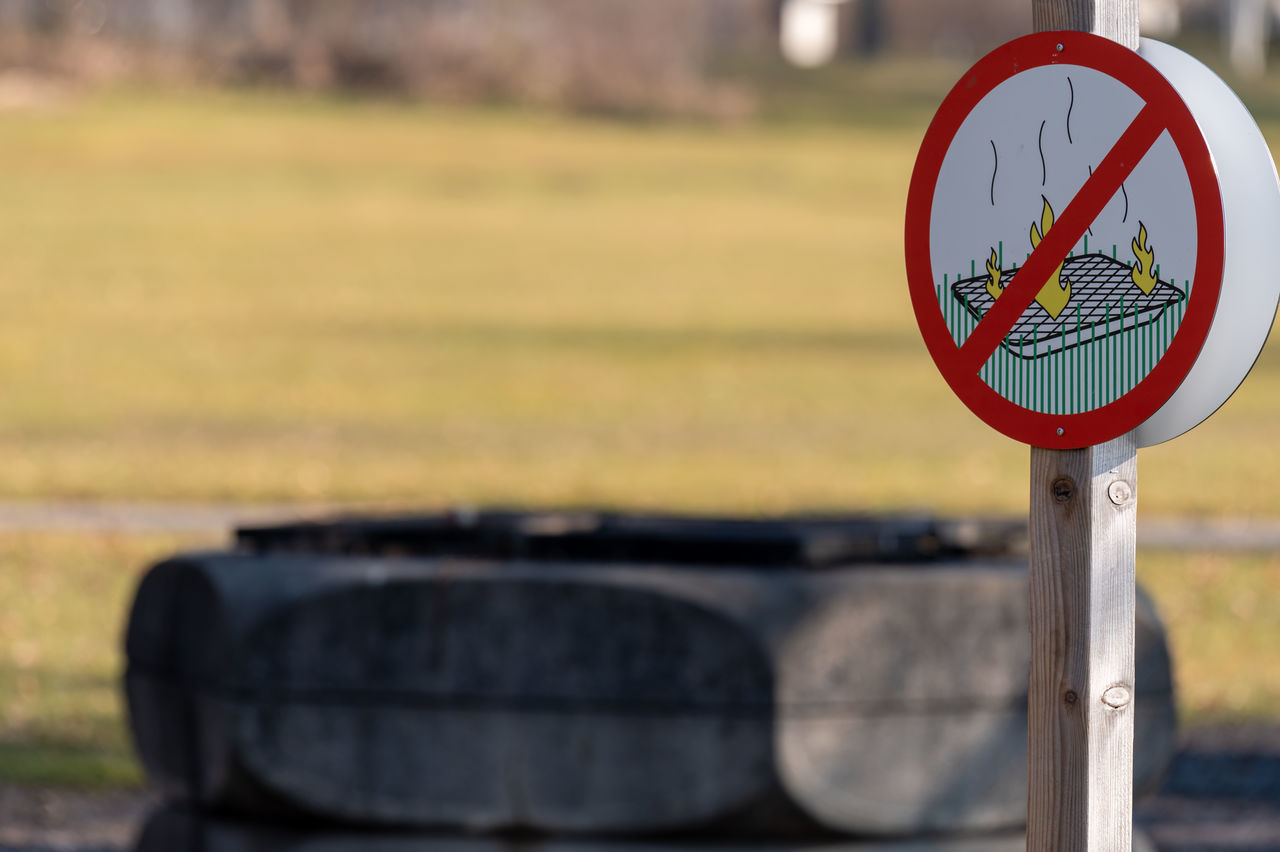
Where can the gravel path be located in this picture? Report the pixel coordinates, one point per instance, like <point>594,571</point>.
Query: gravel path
<point>1220,534</point>
<point>1222,794</point>
<point>82,516</point>
<point>36,820</point>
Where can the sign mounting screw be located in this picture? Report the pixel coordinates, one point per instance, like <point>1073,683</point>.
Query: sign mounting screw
<point>1119,492</point>
<point>1117,696</point>
<point>1063,489</point>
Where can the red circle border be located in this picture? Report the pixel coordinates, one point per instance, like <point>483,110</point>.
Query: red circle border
<point>1135,407</point>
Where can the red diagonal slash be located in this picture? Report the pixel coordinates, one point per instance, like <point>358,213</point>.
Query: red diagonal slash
<point>1066,231</point>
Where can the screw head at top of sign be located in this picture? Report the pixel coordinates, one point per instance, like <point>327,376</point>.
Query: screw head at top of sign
<point>1097,173</point>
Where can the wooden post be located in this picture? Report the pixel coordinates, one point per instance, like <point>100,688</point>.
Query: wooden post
<point>1083,542</point>
<point>1114,19</point>
<point>1080,713</point>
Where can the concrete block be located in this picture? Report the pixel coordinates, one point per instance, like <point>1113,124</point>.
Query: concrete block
<point>593,697</point>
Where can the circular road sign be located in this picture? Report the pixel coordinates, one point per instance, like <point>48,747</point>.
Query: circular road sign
<point>1086,232</point>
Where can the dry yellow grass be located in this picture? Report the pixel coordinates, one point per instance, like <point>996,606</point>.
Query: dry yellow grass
<point>248,297</point>
<point>67,596</point>
<point>1223,617</point>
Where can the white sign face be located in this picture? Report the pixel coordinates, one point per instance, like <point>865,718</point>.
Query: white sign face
<point>1066,233</point>
<point>1123,283</point>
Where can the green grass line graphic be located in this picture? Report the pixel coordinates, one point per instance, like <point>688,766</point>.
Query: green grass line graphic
<point>1082,376</point>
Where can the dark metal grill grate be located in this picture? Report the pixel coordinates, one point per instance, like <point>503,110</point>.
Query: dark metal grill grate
<point>1104,301</point>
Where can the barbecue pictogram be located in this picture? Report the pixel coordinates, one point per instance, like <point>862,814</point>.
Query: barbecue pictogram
<point>1088,297</point>
<point>1106,308</point>
<point>1067,245</point>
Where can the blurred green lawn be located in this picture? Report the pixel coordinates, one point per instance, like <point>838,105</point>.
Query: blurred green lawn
<point>61,713</point>
<point>248,296</point>
<point>252,297</point>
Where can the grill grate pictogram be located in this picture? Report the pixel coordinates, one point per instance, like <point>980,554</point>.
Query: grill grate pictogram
<point>1104,302</point>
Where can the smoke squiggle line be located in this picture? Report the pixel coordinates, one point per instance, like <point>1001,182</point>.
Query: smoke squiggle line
<point>1070,106</point>
<point>1044,169</point>
<point>995,168</point>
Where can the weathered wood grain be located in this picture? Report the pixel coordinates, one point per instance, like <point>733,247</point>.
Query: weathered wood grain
<point>1083,542</point>
<point>1080,716</point>
<point>1114,19</point>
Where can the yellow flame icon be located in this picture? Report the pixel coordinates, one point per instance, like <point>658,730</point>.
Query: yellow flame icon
<point>1143,272</point>
<point>1055,293</point>
<point>994,287</point>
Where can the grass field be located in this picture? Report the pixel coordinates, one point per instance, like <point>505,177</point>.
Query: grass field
<point>248,296</point>
<point>60,661</point>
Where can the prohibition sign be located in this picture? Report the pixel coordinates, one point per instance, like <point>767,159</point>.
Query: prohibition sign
<point>1087,338</point>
